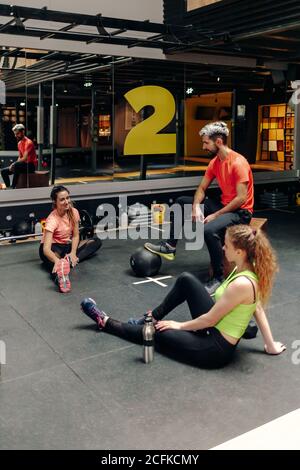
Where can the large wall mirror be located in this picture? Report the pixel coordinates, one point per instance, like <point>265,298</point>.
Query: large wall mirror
<point>94,119</point>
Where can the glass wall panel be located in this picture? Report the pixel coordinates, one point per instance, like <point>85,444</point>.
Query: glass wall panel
<point>67,115</point>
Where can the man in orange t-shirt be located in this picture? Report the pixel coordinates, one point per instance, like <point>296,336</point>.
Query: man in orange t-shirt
<point>234,176</point>
<point>27,160</point>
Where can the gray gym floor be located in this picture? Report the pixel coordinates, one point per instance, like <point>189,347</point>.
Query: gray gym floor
<point>68,386</point>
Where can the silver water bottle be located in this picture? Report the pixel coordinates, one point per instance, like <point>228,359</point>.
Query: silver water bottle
<point>148,340</point>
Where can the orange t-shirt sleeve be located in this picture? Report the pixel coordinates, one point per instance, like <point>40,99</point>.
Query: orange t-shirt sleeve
<point>210,171</point>
<point>241,173</point>
<point>28,146</point>
<point>51,224</point>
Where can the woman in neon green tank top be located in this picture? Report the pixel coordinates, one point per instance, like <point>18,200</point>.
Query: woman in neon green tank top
<point>209,340</point>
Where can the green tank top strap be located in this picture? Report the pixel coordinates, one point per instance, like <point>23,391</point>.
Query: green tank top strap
<point>236,321</point>
<point>247,273</point>
<point>233,275</point>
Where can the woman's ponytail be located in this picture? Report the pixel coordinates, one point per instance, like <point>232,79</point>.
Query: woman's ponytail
<point>259,253</point>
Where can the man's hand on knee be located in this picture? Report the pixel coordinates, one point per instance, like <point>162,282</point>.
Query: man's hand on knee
<point>210,218</point>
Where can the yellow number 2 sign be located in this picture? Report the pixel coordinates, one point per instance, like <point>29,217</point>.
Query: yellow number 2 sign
<point>144,139</point>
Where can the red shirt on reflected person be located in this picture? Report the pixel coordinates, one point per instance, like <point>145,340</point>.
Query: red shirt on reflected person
<point>26,145</point>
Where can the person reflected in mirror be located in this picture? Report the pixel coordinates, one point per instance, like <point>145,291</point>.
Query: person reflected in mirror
<point>27,159</point>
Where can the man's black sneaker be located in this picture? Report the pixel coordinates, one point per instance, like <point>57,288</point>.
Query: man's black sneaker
<point>163,249</point>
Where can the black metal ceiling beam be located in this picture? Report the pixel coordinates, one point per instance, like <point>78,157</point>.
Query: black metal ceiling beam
<point>14,63</point>
<point>209,41</point>
<point>247,49</point>
<point>235,50</point>
<point>64,28</point>
<point>11,53</point>
<point>4,26</point>
<point>118,31</point>
<point>100,26</point>
<point>24,54</point>
<point>30,71</point>
<point>255,33</point>
<point>88,20</point>
<point>16,20</point>
<point>51,56</point>
<point>26,70</point>
<point>43,73</point>
<point>88,37</point>
<point>267,30</point>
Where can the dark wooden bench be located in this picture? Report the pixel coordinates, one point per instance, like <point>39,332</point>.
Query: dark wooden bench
<point>33,180</point>
<point>258,222</point>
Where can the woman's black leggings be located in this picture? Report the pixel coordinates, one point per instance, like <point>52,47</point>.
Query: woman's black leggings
<point>84,251</point>
<point>204,348</point>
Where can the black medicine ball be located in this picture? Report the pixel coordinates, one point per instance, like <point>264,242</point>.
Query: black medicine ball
<point>144,263</point>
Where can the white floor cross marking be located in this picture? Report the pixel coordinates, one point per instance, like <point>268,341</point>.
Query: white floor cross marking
<point>151,279</point>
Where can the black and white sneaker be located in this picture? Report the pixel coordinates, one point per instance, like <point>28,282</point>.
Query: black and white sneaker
<point>212,285</point>
<point>163,249</point>
<point>251,331</point>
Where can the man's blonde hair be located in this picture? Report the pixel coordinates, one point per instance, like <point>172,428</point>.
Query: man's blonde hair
<point>18,127</point>
<point>215,128</point>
